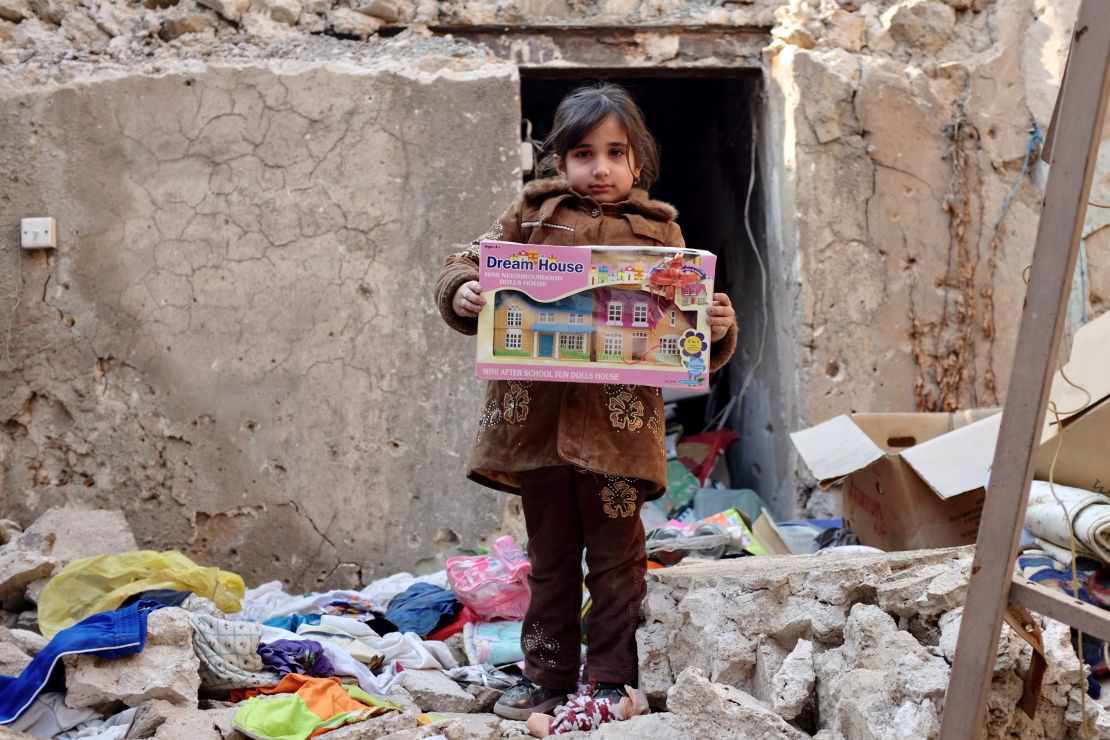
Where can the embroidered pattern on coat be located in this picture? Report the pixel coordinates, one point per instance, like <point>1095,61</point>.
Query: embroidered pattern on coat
<point>491,416</point>
<point>495,232</point>
<point>618,499</point>
<point>658,429</point>
<point>540,647</point>
<point>626,411</point>
<point>544,224</point>
<point>515,403</point>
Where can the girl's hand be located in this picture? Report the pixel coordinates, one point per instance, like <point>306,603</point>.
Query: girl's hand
<point>721,316</point>
<point>468,300</point>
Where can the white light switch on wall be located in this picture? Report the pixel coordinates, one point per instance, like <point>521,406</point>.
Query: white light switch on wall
<point>38,233</point>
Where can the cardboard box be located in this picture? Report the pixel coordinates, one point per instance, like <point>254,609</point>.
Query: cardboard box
<point>1084,409</point>
<point>636,315</point>
<point>909,480</point>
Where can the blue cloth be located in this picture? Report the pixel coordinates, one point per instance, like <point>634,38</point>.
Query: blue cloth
<point>421,607</point>
<point>291,622</point>
<point>107,634</point>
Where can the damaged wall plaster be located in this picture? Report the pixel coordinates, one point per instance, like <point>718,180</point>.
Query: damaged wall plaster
<point>234,341</point>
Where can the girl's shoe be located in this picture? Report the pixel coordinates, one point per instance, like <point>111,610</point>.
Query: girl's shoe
<point>522,700</point>
<point>614,692</point>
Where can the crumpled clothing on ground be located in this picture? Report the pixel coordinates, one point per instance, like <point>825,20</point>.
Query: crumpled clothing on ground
<point>421,608</point>
<point>269,600</point>
<point>48,715</point>
<point>358,639</point>
<point>110,728</point>
<point>110,634</point>
<point>345,665</point>
<point>228,653</point>
<point>315,706</point>
<point>382,591</point>
<point>482,675</point>
<point>305,657</point>
<point>292,622</point>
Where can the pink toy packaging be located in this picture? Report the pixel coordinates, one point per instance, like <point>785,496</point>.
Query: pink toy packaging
<point>636,315</point>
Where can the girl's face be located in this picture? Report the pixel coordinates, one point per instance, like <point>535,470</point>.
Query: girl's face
<point>602,165</point>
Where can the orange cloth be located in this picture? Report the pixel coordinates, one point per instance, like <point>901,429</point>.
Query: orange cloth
<point>324,696</point>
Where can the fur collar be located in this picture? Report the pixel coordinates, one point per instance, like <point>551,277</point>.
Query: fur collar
<point>539,190</point>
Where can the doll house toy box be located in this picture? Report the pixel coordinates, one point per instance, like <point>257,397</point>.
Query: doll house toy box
<point>636,315</point>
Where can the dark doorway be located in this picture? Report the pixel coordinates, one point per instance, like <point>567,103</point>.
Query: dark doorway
<point>703,123</point>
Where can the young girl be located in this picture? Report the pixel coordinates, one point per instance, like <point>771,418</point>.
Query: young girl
<point>583,458</point>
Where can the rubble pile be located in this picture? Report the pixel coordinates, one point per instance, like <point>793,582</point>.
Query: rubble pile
<point>839,645</point>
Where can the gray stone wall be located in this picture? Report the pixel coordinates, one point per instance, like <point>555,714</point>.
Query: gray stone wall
<point>235,341</point>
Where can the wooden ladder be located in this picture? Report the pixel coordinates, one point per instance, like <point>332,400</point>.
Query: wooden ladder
<point>1071,150</point>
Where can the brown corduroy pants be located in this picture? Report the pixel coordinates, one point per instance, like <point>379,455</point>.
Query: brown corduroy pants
<point>566,510</point>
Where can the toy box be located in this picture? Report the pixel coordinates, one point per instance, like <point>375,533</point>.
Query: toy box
<point>636,315</point>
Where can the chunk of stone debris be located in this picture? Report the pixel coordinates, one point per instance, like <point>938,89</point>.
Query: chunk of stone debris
<point>347,22</point>
<point>390,11</point>
<point>14,11</point>
<point>726,706</point>
<point>29,642</point>
<point>149,716</point>
<point>196,724</point>
<point>167,668</point>
<point>231,9</point>
<point>384,725</point>
<point>794,681</point>
<point>768,659</point>
<point>82,533</point>
<point>925,24</point>
<point>12,659</point>
<point>484,697</point>
<point>23,561</point>
<point>434,691</point>
<point>180,23</point>
<point>284,11</point>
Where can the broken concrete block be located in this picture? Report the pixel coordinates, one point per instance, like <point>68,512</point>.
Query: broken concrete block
<point>149,716</point>
<point>347,22</point>
<point>284,11</point>
<point>23,561</point>
<point>921,24</point>
<point>180,23</point>
<point>384,725</point>
<point>167,668</point>
<point>82,533</point>
<point>768,659</point>
<point>14,11</point>
<point>926,592</point>
<point>29,642</point>
<point>399,696</point>
<point>726,706</point>
<point>794,681</point>
<point>12,659</point>
<point>51,11</point>
<point>389,11</point>
<point>484,697</point>
<point>196,724</point>
<point>457,646</point>
<point>794,35</point>
<point>845,30</point>
<point>231,9</point>
<point>434,691</point>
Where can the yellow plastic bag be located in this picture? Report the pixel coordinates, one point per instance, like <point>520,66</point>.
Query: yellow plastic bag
<point>103,582</point>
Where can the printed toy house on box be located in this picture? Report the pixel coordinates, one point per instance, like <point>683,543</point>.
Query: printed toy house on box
<point>595,314</point>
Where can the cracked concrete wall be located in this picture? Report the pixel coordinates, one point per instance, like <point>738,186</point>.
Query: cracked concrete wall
<point>234,341</point>
<point>903,137</point>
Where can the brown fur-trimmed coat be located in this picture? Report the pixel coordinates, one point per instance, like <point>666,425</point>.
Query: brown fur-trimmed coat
<point>614,430</point>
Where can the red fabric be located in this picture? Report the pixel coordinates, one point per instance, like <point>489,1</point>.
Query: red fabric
<point>464,617</point>
<point>699,452</point>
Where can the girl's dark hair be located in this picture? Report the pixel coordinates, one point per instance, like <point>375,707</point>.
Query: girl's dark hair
<point>583,110</point>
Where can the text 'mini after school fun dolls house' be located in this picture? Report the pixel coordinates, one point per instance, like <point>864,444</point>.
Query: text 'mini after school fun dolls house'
<point>636,315</point>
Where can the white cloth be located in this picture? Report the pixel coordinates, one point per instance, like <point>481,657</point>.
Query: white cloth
<point>1088,513</point>
<point>344,664</point>
<point>382,591</point>
<point>48,715</point>
<point>396,647</point>
<point>269,600</point>
<point>112,728</point>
